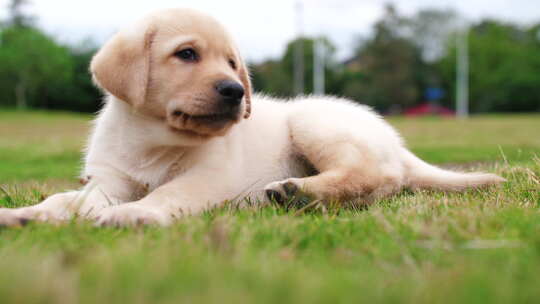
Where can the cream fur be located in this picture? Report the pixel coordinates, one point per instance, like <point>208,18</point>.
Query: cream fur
<point>144,169</point>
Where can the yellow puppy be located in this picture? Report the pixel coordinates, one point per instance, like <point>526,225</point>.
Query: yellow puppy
<point>176,137</point>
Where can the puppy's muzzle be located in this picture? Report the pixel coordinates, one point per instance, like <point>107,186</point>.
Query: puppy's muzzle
<point>216,114</point>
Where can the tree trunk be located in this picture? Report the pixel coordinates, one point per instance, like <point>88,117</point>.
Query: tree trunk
<point>20,95</point>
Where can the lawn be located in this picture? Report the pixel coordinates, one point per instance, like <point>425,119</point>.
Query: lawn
<point>428,247</point>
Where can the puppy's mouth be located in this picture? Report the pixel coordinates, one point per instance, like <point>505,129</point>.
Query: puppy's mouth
<point>213,124</point>
<point>207,118</point>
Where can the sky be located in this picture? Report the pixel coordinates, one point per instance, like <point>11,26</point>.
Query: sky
<point>261,28</point>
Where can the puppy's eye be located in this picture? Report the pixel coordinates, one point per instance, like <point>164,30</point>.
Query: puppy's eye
<point>187,55</point>
<point>232,63</point>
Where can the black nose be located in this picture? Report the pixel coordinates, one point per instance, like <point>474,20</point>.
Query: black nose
<point>231,91</point>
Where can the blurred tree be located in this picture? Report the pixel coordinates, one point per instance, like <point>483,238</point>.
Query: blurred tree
<point>30,64</point>
<point>276,77</point>
<point>17,16</point>
<point>36,71</point>
<point>81,94</point>
<point>270,77</point>
<point>388,66</point>
<point>504,67</point>
<point>430,29</point>
<point>308,47</point>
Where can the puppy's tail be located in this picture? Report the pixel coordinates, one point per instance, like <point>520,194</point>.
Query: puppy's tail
<point>421,175</point>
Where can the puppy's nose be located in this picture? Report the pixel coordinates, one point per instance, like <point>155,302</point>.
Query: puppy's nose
<point>231,91</point>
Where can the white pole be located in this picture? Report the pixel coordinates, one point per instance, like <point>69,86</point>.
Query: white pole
<point>299,51</point>
<point>318,66</point>
<point>462,74</point>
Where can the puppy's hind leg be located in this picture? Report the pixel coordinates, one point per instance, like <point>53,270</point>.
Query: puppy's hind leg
<point>347,170</point>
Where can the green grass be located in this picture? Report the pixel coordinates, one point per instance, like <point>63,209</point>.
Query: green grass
<point>428,247</point>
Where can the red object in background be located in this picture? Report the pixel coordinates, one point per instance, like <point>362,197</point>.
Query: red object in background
<point>429,109</point>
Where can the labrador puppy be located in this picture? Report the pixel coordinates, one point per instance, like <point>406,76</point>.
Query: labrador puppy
<point>181,132</point>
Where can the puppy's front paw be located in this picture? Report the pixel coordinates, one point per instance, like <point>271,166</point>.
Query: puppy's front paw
<point>21,216</point>
<point>11,218</point>
<point>131,215</point>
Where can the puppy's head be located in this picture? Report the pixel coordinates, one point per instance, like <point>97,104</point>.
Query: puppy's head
<point>179,66</point>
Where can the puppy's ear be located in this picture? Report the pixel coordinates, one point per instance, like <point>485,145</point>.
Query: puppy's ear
<point>122,65</point>
<point>246,82</point>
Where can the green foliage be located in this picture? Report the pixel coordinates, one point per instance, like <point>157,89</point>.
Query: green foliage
<point>31,65</point>
<point>37,72</point>
<point>270,77</point>
<point>80,94</point>
<point>275,77</point>
<point>504,65</point>
<point>390,64</point>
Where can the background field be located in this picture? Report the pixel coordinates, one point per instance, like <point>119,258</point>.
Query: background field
<point>429,247</point>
